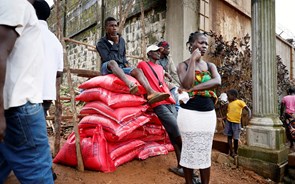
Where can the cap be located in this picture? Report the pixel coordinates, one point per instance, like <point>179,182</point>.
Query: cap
<point>163,44</point>
<point>152,48</point>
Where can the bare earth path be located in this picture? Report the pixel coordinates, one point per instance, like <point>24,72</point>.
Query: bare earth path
<point>153,171</point>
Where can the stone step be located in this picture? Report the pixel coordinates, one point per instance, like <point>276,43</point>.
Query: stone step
<point>220,143</point>
<point>291,160</point>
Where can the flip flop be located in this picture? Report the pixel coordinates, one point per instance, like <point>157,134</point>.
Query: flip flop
<point>157,97</point>
<point>133,88</point>
<point>179,172</point>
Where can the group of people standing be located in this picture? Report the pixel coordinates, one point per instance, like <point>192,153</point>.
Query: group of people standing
<point>190,125</point>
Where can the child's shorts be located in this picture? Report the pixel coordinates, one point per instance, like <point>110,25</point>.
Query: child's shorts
<point>232,129</point>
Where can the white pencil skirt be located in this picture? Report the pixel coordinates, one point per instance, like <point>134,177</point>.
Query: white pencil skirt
<point>197,130</point>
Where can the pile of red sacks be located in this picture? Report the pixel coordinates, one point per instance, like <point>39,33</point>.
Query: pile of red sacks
<point>117,128</point>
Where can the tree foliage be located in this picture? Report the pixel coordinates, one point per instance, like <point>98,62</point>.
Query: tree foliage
<point>235,66</point>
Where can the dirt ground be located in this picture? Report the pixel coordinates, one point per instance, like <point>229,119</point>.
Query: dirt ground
<point>155,171</point>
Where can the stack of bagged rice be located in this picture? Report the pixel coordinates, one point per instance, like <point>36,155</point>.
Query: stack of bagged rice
<point>118,127</point>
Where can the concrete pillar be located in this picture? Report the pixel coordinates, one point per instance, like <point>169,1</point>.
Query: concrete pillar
<point>179,25</point>
<point>265,152</point>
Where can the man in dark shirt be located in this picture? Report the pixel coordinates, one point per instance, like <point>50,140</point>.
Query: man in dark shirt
<point>113,58</point>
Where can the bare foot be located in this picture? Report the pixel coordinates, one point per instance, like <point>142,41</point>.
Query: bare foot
<point>133,88</point>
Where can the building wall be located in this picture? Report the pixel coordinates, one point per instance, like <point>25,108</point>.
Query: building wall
<point>286,51</point>
<point>232,18</point>
<point>182,20</point>
<point>84,22</point>
<point>171,20</point>
<point>228,20</point>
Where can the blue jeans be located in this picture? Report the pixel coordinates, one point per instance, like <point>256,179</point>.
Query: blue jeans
<point>104,69</point>
<point>25,149</point>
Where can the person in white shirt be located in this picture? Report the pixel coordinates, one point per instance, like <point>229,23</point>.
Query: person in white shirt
<point>53,52</point>
<point>53,58</point>
<point>24,147</point>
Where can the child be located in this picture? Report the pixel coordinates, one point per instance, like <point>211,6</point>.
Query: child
<point>233,120</point>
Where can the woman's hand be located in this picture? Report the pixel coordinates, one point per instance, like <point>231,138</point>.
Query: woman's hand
<point>196,55</point>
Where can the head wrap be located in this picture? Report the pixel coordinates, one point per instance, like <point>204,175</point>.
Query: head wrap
<point>163,44</point>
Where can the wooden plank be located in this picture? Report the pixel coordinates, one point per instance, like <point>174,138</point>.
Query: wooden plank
<point>84,72</point>
<point>64,98</point>
<point>65,117</point>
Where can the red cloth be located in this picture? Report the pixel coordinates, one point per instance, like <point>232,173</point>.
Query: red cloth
<point>154,82</point>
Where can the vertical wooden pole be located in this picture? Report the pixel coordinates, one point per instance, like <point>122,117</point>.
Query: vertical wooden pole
<point>143,40</point>
<point>123,16</point>
<point>80,166</point>
<point>58,108</point>
<point>57,119</point>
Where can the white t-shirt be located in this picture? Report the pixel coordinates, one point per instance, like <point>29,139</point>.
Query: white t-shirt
<point>53,61</point>
<point>24,70</point>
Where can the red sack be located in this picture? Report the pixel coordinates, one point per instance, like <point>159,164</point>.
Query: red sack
<point>111,83</point>
<point>152,149</point>
<point>169,147</point>
<point>92,121</point>
<point>154,118</point>
<point>154,129</point>
<point>126,158</point>
<point>95,152</point>
<point>136,134</point>
<point>113,100</point>
<point>151,137</point>
<point>67,154</point>
<point>118,149</point>
<point>119,115</point>
<point>120,130</point>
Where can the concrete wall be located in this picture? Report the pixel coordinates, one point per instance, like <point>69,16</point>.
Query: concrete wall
<point>242,6</point>
<point>283,48</point>
<point>228,20</point>
<point>232,18</point>
<point>84,23</point>
<point>286,52</point>
<point>181,21</point>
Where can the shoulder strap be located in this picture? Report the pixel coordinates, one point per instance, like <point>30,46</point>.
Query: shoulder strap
<point>160,83</point>
<point>209,68</point>
<point>185,65</point>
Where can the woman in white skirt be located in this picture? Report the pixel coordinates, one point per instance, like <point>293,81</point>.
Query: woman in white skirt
<point>197,118</point>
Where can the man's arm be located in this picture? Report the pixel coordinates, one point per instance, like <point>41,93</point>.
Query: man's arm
<point>8,37</point>
<point>172,70</point>
<point>249,111</point>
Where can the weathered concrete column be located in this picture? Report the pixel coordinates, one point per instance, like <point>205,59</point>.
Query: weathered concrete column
<point>265,151</point>
<point>179,26</point>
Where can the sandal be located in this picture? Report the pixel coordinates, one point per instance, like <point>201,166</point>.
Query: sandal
<point>179,171</point>
<point>157,97</point>
<point>133,88</point>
